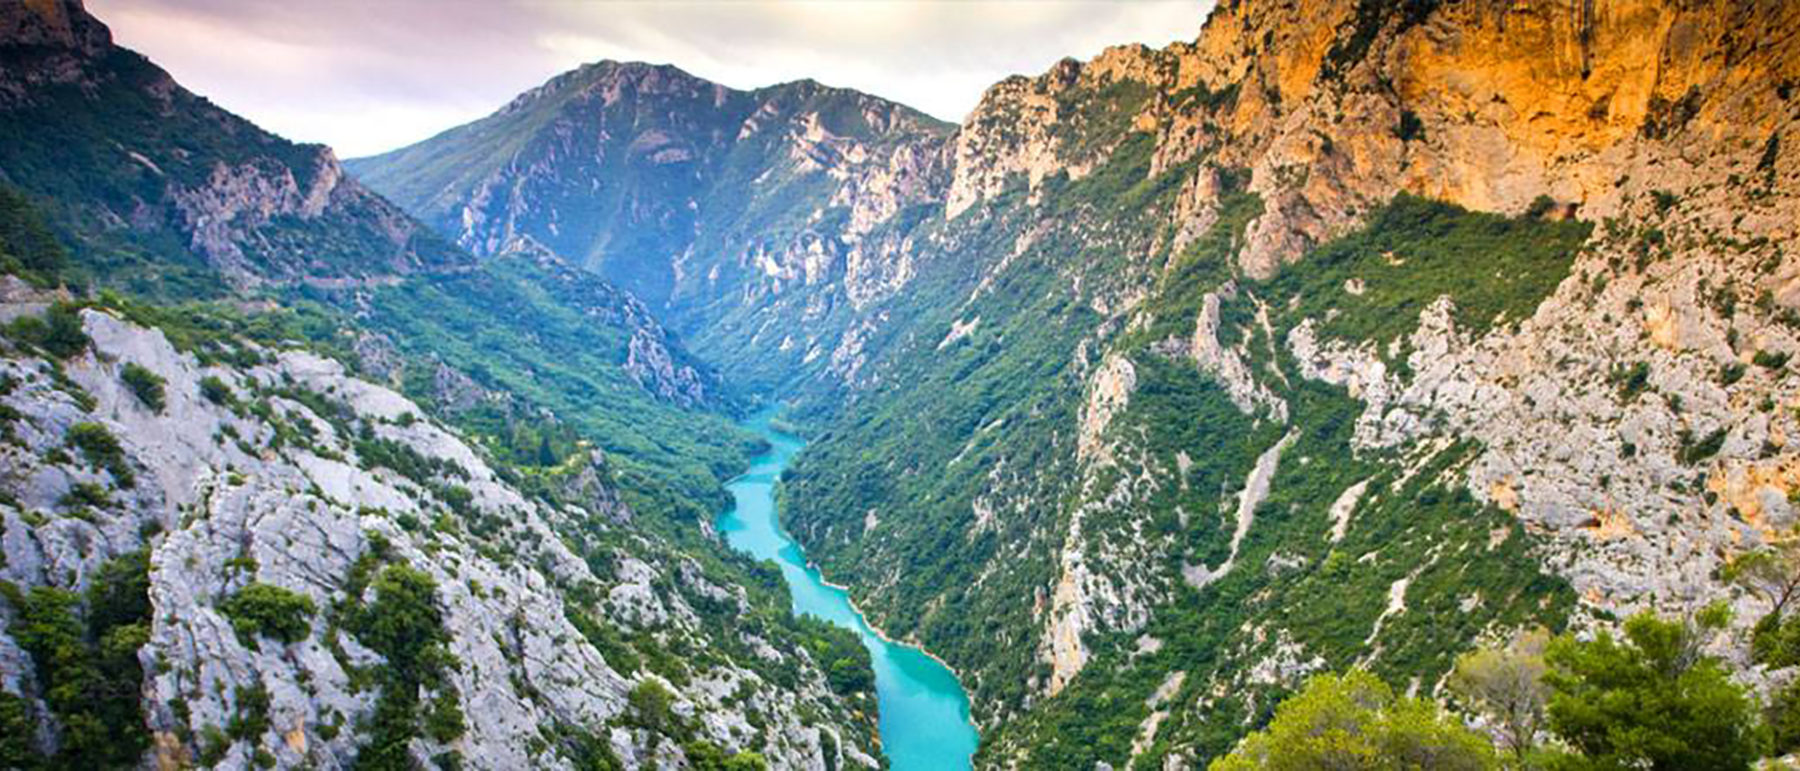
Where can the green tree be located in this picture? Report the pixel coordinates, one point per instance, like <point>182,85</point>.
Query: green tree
<point>270,610</point>
<point>86,669</point>
<point>653,708</point>
<point>1652,700</point>
<point>1507,685</point>
<point>1773,572</point>
<point>1354,722</point>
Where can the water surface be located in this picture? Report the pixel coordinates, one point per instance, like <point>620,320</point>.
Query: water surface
<point>924,711</point>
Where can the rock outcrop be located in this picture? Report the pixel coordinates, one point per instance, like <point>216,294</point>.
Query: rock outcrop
<point>291,473</point>
<point>138,165</point>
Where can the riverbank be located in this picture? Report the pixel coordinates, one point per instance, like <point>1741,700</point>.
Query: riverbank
<point>924,718</point>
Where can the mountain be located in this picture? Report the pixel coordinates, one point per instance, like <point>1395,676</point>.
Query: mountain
<point>1348,334</point>
<point>289,480</point>
<point>220,553</point>
<point>170,194</point>
<point>161,194</point>
<point>751,215</point>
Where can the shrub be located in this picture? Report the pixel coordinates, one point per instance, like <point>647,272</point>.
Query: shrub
<point>1695,450</point>
<point>1540,206</point>
<point>85,494</point>
<point>87,669</point>
<point>405,625</point>
<point>1664,199</point>
<point>145,384</point>
<point>1771,359</point>
<point>216,391</point>
<point>1410,127</point>
<point>1632,380</point>
<point>102,450</point>
<point>58,333</point>
<point>445,724</point>
<point>271,611</point>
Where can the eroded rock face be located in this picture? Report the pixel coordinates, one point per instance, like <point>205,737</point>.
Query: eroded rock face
<point>1623,418</point>
<point>752,215</point>
<point>157,166</point>
<point>262,486</point>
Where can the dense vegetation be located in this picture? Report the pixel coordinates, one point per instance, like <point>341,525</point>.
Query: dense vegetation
<point>28,249</point>
<point>84,654</point>
<point>552,339</point>
<point>1650,700</point>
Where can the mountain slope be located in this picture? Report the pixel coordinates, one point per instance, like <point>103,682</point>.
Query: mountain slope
<point>747,214</point>
<point>1344,335</point>
<point>1235,408</point>
<point>319,577</point>
<point>227,538</point>
<point>162,192</point>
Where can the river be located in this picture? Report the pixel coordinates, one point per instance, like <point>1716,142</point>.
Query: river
<point>924,710</point>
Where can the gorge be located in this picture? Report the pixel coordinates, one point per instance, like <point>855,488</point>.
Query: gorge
<point>1341,338</point>
<point>924,712</point>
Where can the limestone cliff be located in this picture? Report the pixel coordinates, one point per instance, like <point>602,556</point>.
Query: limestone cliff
<point>277,469</point>
<point>162,190</point>
<point>752,215</point>
<point>1626,400</point>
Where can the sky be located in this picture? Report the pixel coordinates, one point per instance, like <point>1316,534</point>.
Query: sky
<point>365,76</point>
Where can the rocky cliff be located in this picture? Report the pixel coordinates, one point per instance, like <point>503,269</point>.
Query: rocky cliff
<point>322,574</point>
<point>1589,392</point>
<point>766,218</point>
<point>166,193</point>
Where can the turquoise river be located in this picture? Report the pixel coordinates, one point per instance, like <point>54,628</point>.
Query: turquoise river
<point>924,711</point>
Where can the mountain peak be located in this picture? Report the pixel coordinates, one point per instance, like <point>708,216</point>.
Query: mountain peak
<point>51,24</point>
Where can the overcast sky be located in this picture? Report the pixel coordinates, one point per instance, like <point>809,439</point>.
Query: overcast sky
<point>369,75</point>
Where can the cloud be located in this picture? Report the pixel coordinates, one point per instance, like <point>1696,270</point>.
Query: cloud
<point>369,76</point>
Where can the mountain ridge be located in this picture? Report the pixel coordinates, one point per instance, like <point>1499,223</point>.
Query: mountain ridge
<point>667,184</point>
<point>1102,252</point>
<point>258,210</point>
<point>1348,335</point>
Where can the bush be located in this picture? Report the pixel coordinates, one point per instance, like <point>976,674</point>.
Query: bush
<point>1771,359</point>
<point>405,625</point>
<point>1540,206</point>
<point>269,610</point>
<point>87,669</point>
<point>1693,450</point>
<point>1410,127</point>
<point>57,334</point>
<point>1664,199</point>
<point>102,450</point>
<point>1632,380</point>
<point>85,494</point>
<point>216,391</point>
<point>146,385</point>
